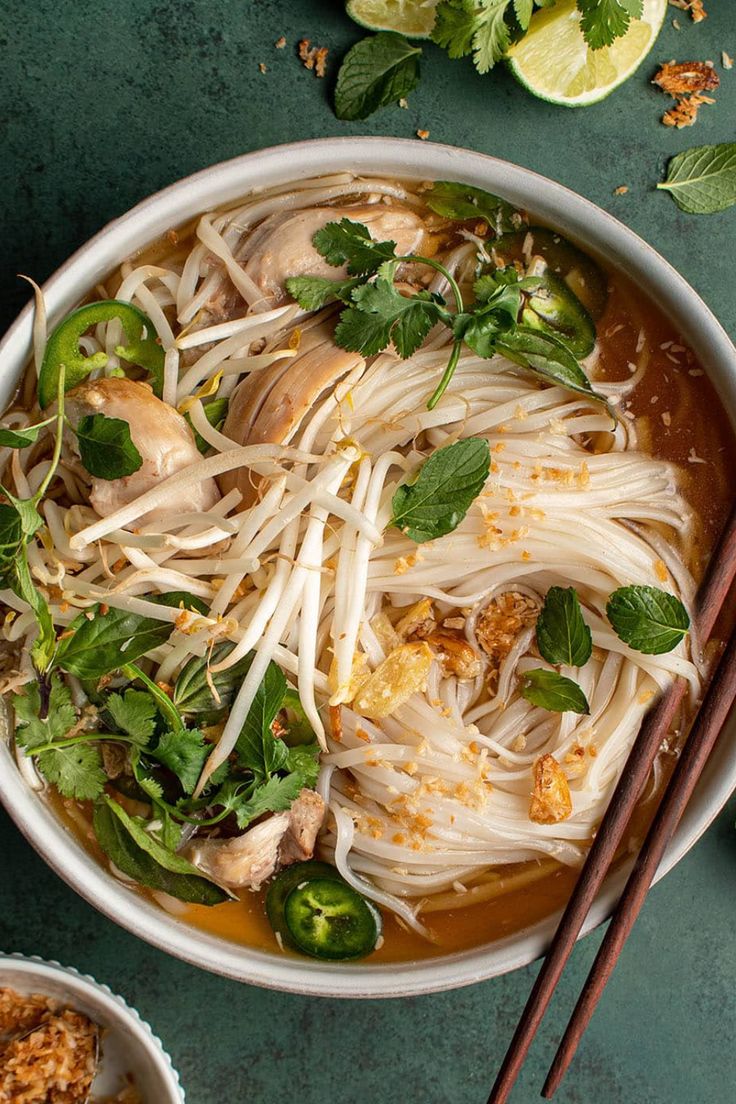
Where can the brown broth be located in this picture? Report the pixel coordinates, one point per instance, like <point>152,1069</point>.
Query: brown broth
<point>679,417</point>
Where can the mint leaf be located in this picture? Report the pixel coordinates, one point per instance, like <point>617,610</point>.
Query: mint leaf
<point>447,483</point>
<point>377,71</point>
<point>106,448</point>
<point>348,242</point>
<point>32,731</point>
<point>315,292</point>
<point>562,635</point>
<point>551,691</point>
<point>405,320</point>
<point>21,438</point>
<point>183,752</point>
<point>134,713</point>
<point>647,619</point>
<point>703,180</point>
<point>603,21</point>
<point>257,747</point>
<point>140,856</point>
<point>76,771</point>
<point>454,200</point>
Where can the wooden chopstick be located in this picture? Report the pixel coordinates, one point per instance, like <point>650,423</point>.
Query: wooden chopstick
<point>700,743</point>
<point>712,595</point>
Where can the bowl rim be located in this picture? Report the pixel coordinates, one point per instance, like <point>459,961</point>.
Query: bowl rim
<point>227,181</point>
<point>115,1008</point>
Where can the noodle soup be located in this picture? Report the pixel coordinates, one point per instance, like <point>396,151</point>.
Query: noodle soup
<point>332,494</point>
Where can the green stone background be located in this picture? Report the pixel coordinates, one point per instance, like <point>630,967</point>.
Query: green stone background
<point>102,103</point>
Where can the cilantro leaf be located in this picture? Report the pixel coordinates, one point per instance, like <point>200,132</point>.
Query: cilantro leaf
<point>603,21</point>
<point>440,496</point>
<point>562,635</point>
<point>523,11</point>
<point>106,448</point>
<point>554,692</point>
<point>406,320</point>
<point>473,26</point>
<point>315,292</point>
<point>32,731</point>
<point>274,796</point>
<point>257,746</point>
<point>134,713</point>
<point>348,242</point>
<point>648,619</point>
<point>304,761</point>
<point>377,71</point>
<point>184,753</point>
<point>76,771</point>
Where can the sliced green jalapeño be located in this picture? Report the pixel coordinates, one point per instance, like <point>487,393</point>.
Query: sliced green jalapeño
<point>142,348</point>
<point>329,920</point>
<point>554,308</point>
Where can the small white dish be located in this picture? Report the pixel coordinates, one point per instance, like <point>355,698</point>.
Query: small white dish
<point>128,1044</point>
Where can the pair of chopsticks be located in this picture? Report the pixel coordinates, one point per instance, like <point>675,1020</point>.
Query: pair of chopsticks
<point>706,727</point>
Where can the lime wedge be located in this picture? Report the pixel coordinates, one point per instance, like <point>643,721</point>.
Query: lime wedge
<point>413,18</point>
<point>554,62</point>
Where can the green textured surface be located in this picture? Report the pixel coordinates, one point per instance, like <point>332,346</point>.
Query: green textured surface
<point>102,103</point>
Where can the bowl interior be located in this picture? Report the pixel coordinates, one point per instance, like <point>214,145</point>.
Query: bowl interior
<point>128,1045</point>
<point>224,184</point>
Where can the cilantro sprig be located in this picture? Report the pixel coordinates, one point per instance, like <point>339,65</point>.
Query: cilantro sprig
<point>376,312</point>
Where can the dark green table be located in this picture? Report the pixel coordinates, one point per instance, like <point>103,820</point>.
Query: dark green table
<point>102,103</point>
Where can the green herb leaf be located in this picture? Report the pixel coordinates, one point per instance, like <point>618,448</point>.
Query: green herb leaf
<point>136,853</point>
<point>439,498</point>
<point>11,533</point>
<point>274,796</point>
<point>549,358</point>
<point>106,448</point>
<point>304,761</point>
<point>16,574</point>
<point>98,645</point>
<point>603,21</point>
<point>377,71</point>
<point>648,619</point>
<point>454,200</point>
<point>703,180</point>
<point>562,635</point>
<point>523,11</point>
<point>554,692</point>
<point>32,731</point>
<point>76,771</point>
<point>21,438</point>
<point>192,693</point>
<point>183,752</point>
<point>315,292</point>
<point>350,243</point>
<point>257,747</point>
<point>473,26</point>
<point>134,713</point>
<point>381,315</point>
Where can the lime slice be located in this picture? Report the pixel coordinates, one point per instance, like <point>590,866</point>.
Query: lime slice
<point>554,62</point>
<point>413,18</point>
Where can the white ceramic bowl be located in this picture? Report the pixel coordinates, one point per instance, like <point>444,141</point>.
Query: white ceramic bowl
<point>223,184</point>
<point>128,1044</point>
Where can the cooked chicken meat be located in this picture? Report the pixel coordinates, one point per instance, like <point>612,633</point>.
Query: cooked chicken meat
<point>287,250</point>
<point>162,437</point>
<point>268,406</point>
<point>247,861</point>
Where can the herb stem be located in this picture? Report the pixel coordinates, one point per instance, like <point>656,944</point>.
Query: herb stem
<point>447,375</point>
<point>56,455</point>
<point>85,738</point>
<point>455,287</point>
<point>166,705</point>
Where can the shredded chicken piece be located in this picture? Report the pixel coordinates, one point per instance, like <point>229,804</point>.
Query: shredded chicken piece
<point>682,78</point>
<point>162,436</point>
<point>250,859</point>
<point>551,800</point>
<point>500,623</point>
<point>268,406</point>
